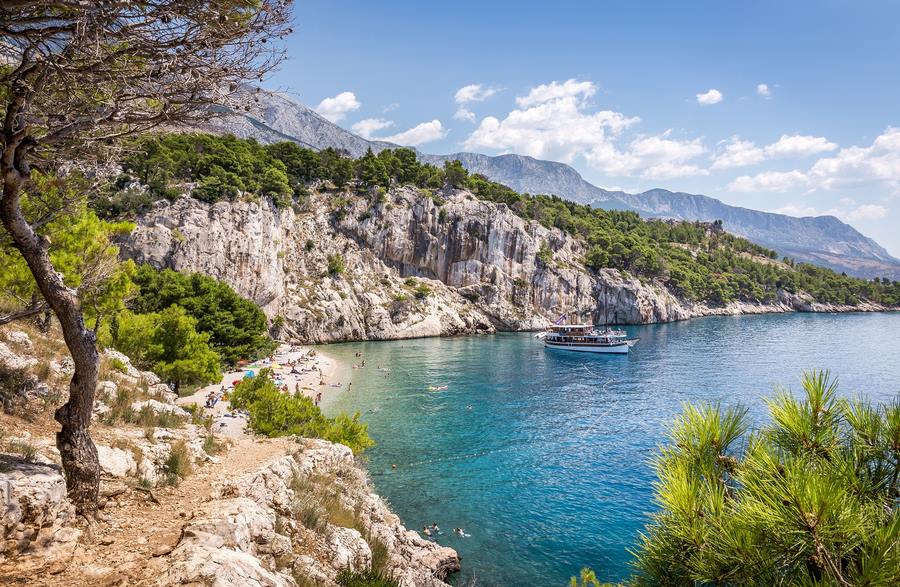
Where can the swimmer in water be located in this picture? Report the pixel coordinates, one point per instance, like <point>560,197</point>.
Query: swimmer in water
<point>426,531</point>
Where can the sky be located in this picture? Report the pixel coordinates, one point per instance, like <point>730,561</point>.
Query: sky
<point>790,106</point>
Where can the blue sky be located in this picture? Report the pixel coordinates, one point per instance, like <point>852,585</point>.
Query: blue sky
<point>633,94</point>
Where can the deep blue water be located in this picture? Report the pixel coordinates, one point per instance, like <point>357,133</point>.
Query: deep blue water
<point>549,470</point>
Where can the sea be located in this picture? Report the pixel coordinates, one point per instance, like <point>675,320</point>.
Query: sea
<point>544,458</point>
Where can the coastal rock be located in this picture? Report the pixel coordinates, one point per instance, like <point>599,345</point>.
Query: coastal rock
<point>37,519</point>
<point>416,263</point>
<point>158,407</point>
<point>115,461</point>
<point>19,339</point>
<point>12,361</point>
<point>279,486</point>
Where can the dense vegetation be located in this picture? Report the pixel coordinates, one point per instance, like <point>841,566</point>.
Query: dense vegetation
<point>236,326</point>
<point>273,413</point>
<point>699,261</point>
<point>169,344</point>
<point>811,499</point>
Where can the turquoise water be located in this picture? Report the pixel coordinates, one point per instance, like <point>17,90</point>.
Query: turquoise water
<point>542,456</point>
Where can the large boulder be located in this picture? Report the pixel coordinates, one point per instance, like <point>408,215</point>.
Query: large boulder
<point>38,521</point>
<point>116,461</point>
<point>227,545</point>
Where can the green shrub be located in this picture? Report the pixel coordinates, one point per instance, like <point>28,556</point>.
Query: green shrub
<point>212,446</point>
<point>810,499</point>
<point>119,365</point>
<point>236,326</point>
<point>273,413</point>
<point>336,264</point>
<point>545,254</point>
<point>178,464</point>
<point>168,343</point>
<point>422,291</point>
<point>348,578</point>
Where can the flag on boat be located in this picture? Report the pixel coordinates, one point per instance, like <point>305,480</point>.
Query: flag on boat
<point>560,320</point>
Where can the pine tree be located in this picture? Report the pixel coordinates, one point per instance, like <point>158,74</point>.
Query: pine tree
<point>810,499</point>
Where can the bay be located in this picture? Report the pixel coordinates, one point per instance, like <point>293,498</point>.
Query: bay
<point>544,457</point>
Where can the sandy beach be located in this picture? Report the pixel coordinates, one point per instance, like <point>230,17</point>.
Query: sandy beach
<point>311,373</point>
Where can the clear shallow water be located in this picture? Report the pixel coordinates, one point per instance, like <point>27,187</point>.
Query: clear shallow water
<point>549,469</point>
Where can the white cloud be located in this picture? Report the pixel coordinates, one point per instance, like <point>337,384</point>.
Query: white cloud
<point>554,122</point>
<point>764,90</point>
<point>867,212</point>
<point>661,157</point>
<point>420,134</point>
<point>336,108</point>
<point>571,88</point>
<point>769,181</point>
<point>847,211</point>
<point>368,127</point>
<point>390,107</point>
<point>737,153</point>
<point>552,128</point>
<point>798,210</point>
<point>799,146</point>
<point>872,167</point>
<point>463,113</point>
<point>474,93</point>
<point>713,96</point>
<point>860,166</point>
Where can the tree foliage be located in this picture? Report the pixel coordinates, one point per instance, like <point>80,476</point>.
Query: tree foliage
<point>80,246</point>
<point>810,499</point>
<point>274,413</point>
<point>168,343</point>
<point>235,325</point>
<point>74,78</point>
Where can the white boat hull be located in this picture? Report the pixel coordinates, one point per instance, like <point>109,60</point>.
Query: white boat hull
<point>613,349</point>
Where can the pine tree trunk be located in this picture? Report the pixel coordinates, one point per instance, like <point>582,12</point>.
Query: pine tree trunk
<point>79,455</point>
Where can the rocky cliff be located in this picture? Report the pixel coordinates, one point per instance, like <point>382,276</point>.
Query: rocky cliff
<point>240,512</point>
<point>413,264</point>
<point>823,240</point>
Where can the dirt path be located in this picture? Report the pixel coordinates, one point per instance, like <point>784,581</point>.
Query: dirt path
<point>137,529</point>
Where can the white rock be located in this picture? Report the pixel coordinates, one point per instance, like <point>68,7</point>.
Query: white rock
<point>11,361</point>
<point>106,391</point>
<point>116,462</point>
<point>19,338</point>
<point>36,516</point>
<point>159,407</point>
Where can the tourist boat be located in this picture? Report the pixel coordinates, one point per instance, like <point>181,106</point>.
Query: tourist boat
<point>586,338</point>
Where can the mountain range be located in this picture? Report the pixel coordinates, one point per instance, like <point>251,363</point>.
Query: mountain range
<point>823,240</point>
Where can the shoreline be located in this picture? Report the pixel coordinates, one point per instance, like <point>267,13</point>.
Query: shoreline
<point>702,312</point>
<point>319,373</point>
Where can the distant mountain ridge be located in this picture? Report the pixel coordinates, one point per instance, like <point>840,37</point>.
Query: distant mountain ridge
<point>824,240</point>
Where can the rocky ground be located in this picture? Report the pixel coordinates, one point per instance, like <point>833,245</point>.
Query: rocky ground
<point>180,506</point>
<point>415,263</point>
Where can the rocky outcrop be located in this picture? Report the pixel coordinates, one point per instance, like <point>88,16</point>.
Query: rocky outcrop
<point>254,534</point>
<point>37,520</point>
<point>415,263</point>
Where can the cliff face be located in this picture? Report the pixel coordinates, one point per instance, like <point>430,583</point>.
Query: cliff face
<point>821,240</point>
<point>415,264</point>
